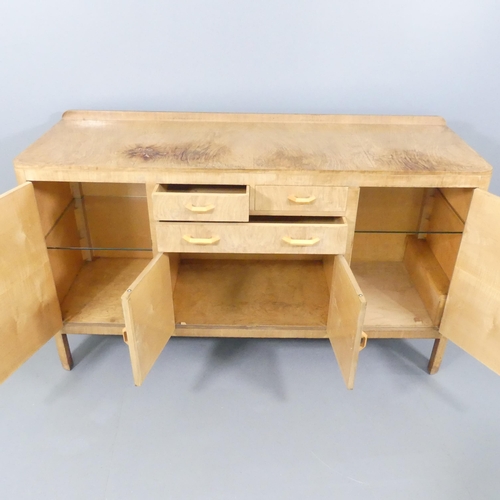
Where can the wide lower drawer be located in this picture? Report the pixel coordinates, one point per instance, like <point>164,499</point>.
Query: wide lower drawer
<point>285,237</point>
<point>309,200</point>
<point>201,203</point>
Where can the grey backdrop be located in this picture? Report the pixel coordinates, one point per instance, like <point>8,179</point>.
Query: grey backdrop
<point>426,57</point>
<point>246,419</point>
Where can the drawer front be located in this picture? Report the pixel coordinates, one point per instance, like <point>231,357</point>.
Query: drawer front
<point>253,237</point>
<point>312,200</point>
<point>199,203</point>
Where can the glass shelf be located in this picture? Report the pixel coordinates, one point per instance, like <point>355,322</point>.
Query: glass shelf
<point>407,232</point>
<point>99,249</point>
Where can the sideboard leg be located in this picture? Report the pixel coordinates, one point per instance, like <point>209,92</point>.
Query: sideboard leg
<point>64,351</point>
<point>437,355</point>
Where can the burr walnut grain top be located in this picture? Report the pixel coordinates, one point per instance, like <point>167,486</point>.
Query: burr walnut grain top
<point>150,141</point>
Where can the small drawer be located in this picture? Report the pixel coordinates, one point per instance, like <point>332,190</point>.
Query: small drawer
<point>200,203</point>
<point>289,235</point>
<point>307,200</point>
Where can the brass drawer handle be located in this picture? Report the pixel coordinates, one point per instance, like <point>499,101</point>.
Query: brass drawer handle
<point>301,201</point>
<point>300,243</point>
<point>364,341</point>
<point>201,241</point>
<point>200,210</point>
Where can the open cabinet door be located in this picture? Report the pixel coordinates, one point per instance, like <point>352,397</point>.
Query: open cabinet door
<point>346,315</point>
<point>148,308</point>
<point>29,310</point>
<point>471,316</point>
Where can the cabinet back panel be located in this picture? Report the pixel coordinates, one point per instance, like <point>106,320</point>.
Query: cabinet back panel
<point>250,293</point>
<point>117,217</point>
<point>378,247</point>
<point>389,209</point>
<point>385,209</point>
<point>113,189</point>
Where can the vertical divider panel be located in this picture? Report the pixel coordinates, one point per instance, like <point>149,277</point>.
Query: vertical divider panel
<point>351,214</point>
<point>152,227</point>
<point>174,257</point>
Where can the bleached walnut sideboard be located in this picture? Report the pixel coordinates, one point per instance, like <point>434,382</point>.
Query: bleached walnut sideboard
<point>152,225</point>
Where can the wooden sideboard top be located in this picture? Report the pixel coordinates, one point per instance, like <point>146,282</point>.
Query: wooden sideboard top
<point>108,146</point>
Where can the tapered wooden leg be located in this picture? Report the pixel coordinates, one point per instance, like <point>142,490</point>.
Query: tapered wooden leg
<point>437,355</point>
<point>64,351</point>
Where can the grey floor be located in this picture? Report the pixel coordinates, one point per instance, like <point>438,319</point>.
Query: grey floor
<point>250,419</point>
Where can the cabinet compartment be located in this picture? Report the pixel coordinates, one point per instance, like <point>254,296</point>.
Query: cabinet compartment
<point>307,200</point>
<point>405,248</point>
<point>176,202</point>
<point>285,298</point>
<point>98,239</point>
<point>276,236</point>
<point>83,221</point>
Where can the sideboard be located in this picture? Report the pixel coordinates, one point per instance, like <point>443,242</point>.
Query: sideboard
<point>150,225</point>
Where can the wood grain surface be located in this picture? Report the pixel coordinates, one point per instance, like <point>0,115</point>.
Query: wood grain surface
<point>98,144</point>
<point>29,312</point>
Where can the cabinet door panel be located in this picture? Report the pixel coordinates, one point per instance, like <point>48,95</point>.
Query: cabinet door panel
<point>149,315</point>
<point>471,316</point>
<point>346,315</point>
<point>29,314</point>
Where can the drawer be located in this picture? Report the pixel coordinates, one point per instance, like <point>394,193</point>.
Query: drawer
<point>292,236</point>
<point>312,200</point>
<point>200,203</point>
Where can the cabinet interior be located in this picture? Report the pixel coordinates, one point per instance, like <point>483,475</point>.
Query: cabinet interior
<point>98,240</point>
<point>404,250</point>
<point>405,246</point>
<point>250,296</point>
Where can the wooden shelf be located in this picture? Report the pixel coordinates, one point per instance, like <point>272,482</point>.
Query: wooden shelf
<point>93,303</point>
<point>251,298</point>
<point>393,303</point>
